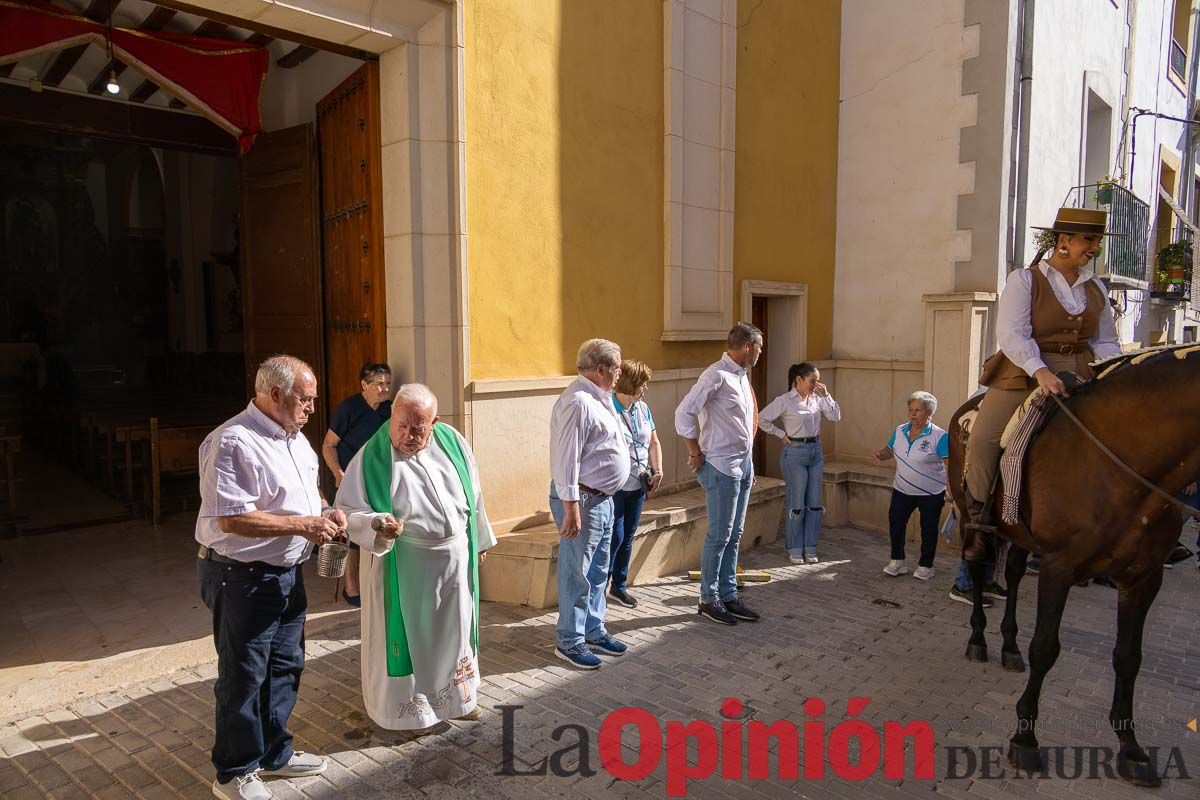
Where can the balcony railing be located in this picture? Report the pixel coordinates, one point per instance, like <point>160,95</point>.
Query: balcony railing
<point>1124,256</point>
<point>1178,59</point>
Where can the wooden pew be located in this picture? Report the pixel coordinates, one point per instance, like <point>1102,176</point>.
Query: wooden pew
<point>174,450</point>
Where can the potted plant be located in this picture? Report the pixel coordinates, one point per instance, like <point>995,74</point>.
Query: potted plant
<point>1161,283</point>
<point>1175,260</point>
<point>1104,190</point>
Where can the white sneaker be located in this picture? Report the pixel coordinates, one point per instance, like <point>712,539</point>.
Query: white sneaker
<point>243,787</point>
<point>811,558</point>
<point>895,567</point>
<point>300,765</point>
<point>923,573</point>
<point>795,559</point>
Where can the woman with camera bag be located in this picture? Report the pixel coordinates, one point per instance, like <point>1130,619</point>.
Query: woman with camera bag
<point>645,474</point>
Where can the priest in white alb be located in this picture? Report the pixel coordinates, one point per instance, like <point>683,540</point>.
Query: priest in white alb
<point>413,505</point>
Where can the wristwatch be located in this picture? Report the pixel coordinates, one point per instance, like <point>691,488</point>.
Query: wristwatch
<point>377,524</point>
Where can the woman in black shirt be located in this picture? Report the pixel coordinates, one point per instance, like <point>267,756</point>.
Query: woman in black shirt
<point>356,420</point>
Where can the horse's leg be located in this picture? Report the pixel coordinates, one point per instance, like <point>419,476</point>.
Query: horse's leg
<point>1132,606</point>
<point>977,645</point>
<point>1043,652</point>
<point>1014,570</point>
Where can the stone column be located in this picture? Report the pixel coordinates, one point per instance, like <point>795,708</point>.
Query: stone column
<point>957,337</point>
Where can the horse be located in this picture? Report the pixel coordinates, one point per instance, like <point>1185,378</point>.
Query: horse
<point>1086,516</point>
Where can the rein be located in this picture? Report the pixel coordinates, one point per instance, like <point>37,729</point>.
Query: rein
<point>1128,470</point>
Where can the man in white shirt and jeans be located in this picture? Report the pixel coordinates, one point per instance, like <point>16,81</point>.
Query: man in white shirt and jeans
<point>716,421</point>
<point>589,462</point>
<point>261,513</point>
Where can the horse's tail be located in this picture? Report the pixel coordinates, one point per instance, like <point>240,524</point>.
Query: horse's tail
<point>958,431</point>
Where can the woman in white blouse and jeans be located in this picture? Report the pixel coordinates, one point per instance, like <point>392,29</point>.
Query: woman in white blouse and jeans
<point>798,414</point>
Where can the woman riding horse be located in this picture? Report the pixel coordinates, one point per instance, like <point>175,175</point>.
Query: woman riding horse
<point>1097,500</point>
<point>1053,317</point>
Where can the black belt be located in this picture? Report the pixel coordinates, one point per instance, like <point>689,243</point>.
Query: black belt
<point>804,439</point>
<point>590,490</point>
<point>208,554</point>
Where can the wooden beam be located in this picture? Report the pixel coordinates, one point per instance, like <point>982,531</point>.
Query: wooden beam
<point>269,30</point>
<point>259,39</point>
<point>212,30</point>
<point>296,57</point>
<point>156,19</point>
<point>65,61</point>
<point>105,119</point>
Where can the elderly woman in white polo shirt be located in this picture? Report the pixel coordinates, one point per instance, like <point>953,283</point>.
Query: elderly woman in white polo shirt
<point>920,449</point>
<point>795,418</point>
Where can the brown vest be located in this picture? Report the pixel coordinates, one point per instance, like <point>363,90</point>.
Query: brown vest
<point>1056,332</point>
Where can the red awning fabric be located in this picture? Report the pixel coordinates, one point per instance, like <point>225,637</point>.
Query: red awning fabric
<point>220,79</point>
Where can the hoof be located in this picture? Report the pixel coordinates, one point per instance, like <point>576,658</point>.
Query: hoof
<point>977,652</point>
<point>1024,758</point>
<point>1012,661</point>
<point>1138,771</point>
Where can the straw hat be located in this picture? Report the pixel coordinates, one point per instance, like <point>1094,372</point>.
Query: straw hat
<point>1080,220</point>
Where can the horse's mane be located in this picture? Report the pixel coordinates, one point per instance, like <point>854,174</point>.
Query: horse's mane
<point>1121,365</point>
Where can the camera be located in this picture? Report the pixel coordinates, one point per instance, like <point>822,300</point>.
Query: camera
<point>644,479</point>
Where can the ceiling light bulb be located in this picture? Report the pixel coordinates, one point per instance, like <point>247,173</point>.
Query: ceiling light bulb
<point>112,86</point>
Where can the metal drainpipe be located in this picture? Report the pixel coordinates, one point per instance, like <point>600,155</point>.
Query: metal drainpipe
<point>1025,20</point>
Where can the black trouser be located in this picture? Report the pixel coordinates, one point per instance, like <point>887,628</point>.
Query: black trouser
<point>258,628</point>
<point>901,509</point>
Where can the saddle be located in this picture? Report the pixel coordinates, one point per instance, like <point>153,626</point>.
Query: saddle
<point>1029,419</point>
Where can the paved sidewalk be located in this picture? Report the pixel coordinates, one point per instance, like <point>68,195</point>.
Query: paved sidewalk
<point>830,631</point>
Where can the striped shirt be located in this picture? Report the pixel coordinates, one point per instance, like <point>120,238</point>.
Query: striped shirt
<point>919,466</point>
<point>251,464</point>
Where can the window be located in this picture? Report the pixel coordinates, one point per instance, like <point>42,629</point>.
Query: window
<point>1179,38</point>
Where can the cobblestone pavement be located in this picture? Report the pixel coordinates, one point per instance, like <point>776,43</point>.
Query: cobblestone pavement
<point>830,631</point>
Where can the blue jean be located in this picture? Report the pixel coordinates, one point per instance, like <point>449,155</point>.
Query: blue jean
<point>901,508</point>
<point>583,569</point>
<point>727,499</point>
<point>627,513</point>
<point>803,468</point>
<point>963,581</point>
<point>258,629</point>
<point>1192,500</point>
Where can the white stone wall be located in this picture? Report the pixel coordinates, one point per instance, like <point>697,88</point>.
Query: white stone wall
<point>898,171</point>
<point>1062,78</point>
<point>899,180</point>
<point>1151,88</point>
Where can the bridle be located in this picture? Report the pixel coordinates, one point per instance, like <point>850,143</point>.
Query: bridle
<point>1128,470</point>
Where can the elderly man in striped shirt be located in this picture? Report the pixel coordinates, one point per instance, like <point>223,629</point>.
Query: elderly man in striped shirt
<point>261,513</point>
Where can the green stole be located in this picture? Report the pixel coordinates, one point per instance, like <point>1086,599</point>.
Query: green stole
<point>377,477</point>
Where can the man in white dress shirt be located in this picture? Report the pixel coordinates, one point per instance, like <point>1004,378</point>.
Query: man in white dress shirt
<point>589,462</point>
<point>415,509</point>
<point>261,512</point>
<point>716,421</point>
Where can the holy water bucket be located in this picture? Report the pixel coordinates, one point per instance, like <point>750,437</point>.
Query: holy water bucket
<point>331,559</point>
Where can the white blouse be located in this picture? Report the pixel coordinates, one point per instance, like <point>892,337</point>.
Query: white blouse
<point>800,417</point>
<point>1014,316</point>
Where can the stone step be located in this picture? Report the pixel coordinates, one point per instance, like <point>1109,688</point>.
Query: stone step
<point>523,566</point>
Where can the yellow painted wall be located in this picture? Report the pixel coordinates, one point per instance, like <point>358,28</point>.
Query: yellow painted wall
<point>564,118</point>
<point>785,204</point>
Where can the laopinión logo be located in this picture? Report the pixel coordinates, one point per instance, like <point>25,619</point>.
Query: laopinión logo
<point>736,749</point>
